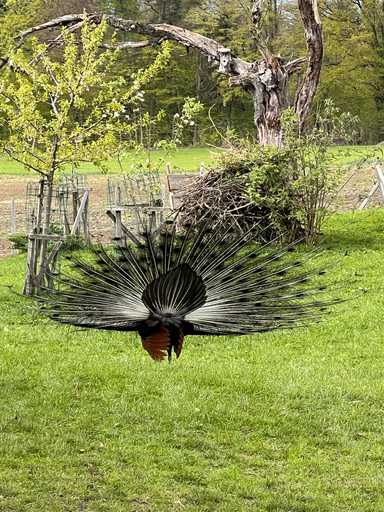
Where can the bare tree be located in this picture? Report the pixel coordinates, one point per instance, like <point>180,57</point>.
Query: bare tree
<point>266,80</point>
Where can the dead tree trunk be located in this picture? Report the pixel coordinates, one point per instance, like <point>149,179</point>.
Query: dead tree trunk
<point>266,80</point>
<point>314,37</point>
<point>267,85</point>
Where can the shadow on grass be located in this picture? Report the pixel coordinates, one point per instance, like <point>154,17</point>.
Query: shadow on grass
<point>354,231</point>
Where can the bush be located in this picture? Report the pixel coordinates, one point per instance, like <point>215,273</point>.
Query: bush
<point>266,175</point>
<point>71,242</point>
<point>20,241</point>
<point>292,189</point>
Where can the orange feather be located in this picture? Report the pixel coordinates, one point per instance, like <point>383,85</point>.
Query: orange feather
<point>157,344</point>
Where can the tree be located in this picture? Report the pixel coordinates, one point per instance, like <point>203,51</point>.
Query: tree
<point>229,23</point>
<point>353,65</point>
<point>63,112</point>
<point>15,17</point>
<point>165,11</point>
<point>266,80</point>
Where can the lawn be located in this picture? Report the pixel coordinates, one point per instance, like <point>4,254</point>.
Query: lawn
<point>185,159</point>
<point>355,155</point>
<point>289,421</point>
<point>190,159</point>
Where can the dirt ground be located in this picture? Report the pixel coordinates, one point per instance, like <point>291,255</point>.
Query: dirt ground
<point>16,187</point>
<point>354,191</point>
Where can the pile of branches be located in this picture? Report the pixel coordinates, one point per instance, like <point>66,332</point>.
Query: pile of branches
<point>227,198</point>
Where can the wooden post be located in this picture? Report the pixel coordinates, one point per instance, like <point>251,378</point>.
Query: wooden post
<point>64,220</point>
<point>75,205</point>
<point>50,282</point>
<point>39,217</point>
<point>30,280</point>
<point>46,230</point>
<point>53,270</point>
<point>169,172</point>
<point>52,254</point>
<point>367,199</point>
<point>379,184</point>
<point>52,258</point>
<point>40,205</point>
<point>125,230</point>
<point>118,228</point>
<point>162,203</point>
<point>13,216</point>
<point>87,237</point>
<point>152,220</point>
<point>80,211</point>
<point>380,179</point>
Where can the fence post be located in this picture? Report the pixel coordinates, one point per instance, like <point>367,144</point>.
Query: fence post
<point>75,208</point>
<point>118,228</point>
<point>87,236</point>
<point>13,216</point>
<point>30,280</point>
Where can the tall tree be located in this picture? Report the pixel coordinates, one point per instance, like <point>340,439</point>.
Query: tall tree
<point>353,65</point>
<point>165,11</point>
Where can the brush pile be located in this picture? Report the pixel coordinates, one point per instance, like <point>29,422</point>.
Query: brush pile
<point>227,193</point>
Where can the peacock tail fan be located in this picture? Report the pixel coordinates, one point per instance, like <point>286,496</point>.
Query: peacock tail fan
<point>182,279</point>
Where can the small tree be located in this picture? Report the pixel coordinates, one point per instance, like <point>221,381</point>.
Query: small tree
<point>65,112</point>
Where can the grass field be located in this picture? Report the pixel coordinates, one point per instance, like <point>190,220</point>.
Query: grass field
<point>354,155</point>
<point>185,159</point>
<point>188,159</point>
<point>289,421</point>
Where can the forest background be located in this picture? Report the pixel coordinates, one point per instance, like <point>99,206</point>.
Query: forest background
<point>353,68</point>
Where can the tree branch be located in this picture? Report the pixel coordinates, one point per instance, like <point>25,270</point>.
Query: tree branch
<point>57,42</point>
<point>257,12</point>
<point>294,66</point>
<point>126,44</point>
<point>62,21</point>
<point>11,155</point>
<point>314,37</point>
<point>155,33</point>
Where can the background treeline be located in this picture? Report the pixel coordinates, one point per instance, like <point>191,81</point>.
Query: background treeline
<point>353,72</point>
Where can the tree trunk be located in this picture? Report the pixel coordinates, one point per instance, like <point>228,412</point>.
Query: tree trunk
<point>314,38</point>
<point>268,87</point>
<point>37,247</point>
<point>46,230</point>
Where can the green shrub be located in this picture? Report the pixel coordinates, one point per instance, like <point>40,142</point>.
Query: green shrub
<point>293,188</point>
<point>71,242</point>
<point>20,241</point>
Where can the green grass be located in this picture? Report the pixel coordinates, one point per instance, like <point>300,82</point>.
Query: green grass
<point>187,159</point>
<point>353,155</point>
<point>183,159</point>
<point>289,421</point>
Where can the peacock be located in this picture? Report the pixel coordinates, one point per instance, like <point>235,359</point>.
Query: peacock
<point>200,280</point>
